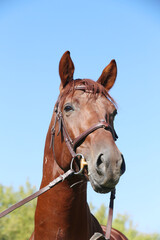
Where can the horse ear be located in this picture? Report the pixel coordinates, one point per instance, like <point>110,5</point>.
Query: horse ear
<point>108,76</point>
<point>66,69</point>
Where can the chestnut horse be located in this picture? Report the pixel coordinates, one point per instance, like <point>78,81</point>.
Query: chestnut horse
<point>63,212</point>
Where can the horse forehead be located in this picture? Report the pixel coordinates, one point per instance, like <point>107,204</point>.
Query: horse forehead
<point>88,100</point>
<point>103,100</point>
<point>101,103</point>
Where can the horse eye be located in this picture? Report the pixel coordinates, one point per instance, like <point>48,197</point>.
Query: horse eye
<point>68,108</point>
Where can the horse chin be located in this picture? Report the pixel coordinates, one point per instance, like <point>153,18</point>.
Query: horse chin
<point>101,188</point>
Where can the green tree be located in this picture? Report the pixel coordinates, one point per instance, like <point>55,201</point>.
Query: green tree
<point>19,224</point>
<point>124,224</point>
<point>101,215</point>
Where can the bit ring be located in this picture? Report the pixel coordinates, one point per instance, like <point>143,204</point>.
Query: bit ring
<point>82,163</point>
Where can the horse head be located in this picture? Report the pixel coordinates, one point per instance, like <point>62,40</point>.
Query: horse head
<point>84,104</point>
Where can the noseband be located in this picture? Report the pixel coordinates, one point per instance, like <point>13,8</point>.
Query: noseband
<point>73,144</point>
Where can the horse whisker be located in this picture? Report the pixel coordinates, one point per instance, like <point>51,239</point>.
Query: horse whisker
<point>76,183</point>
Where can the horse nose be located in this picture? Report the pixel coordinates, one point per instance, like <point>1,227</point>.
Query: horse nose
<point>123,165</point>
<point>103,163</point>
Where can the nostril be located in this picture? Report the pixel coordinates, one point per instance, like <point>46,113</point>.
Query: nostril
<point>100,163</point>
<point>100,160</point>
<point>123,165</point>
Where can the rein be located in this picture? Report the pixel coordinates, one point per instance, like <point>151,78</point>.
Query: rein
<point>57,180</point>
<point>71,145</point>
<point>53,183</point>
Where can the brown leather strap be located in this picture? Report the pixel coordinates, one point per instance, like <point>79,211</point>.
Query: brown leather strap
<point>38,193</point>
<point>73,144</point>
<point>67,139</point>
<point>110,215</point>
<point>101,124</point>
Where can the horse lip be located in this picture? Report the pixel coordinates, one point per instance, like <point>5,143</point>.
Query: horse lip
<point>99,188</point>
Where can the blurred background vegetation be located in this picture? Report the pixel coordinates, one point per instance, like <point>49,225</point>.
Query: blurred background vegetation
<point>19,224</point>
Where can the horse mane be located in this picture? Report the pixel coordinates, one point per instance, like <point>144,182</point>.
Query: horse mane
<point>94,88</point>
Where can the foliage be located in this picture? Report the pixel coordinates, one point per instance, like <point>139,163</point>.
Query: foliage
<point>124,224</point>
<point>18,225</point>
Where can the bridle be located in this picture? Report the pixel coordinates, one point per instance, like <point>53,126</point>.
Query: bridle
<point>73,143</point>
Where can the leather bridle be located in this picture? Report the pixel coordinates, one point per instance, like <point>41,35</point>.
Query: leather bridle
<point>72,144</point>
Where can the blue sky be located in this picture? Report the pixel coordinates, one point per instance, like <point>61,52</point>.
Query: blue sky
<point>33,36</point>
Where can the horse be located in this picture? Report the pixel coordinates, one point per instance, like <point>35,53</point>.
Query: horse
<point>82,126</point>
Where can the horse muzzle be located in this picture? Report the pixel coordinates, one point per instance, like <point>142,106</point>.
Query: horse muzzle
<point>105,172</point>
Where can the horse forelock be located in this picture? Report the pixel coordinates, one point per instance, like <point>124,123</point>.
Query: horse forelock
<point>94,88</point>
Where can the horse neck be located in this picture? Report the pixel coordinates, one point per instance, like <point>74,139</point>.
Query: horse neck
<point>66,205</point>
